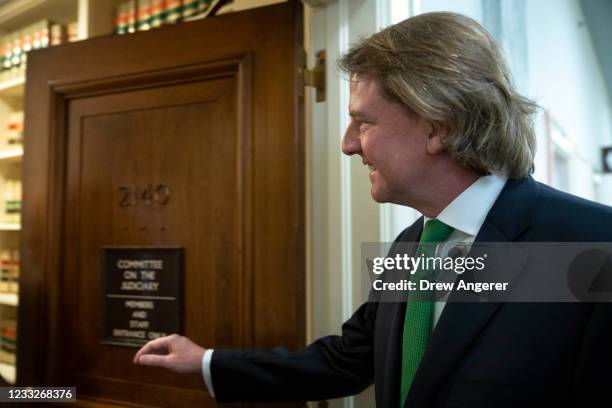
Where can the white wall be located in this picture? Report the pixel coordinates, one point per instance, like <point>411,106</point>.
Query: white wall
<point>470,8</point>
<point>565,78</point>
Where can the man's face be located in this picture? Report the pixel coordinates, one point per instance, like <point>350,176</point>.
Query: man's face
<point>391,141</point>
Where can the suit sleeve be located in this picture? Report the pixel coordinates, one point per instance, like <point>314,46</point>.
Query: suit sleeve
<point>331,367</point>
<point>593,379</point>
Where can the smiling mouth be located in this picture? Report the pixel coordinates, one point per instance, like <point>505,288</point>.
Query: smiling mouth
<point>371,168</point>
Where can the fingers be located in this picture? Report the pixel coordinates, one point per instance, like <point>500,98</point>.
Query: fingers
<point>154,360</point>
<point>153,347</point>
<point>174,352</point>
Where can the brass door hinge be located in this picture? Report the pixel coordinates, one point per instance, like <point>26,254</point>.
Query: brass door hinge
<point>314,77</point>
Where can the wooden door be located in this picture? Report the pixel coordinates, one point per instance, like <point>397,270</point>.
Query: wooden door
<point>188,136</point>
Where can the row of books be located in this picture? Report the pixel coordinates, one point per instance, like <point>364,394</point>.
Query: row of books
<point>11,200</point>
<point>142,15</point>
<point>9,271</point>
<point>8,341</point>
<point>13,133</point>
<point>15,45</point>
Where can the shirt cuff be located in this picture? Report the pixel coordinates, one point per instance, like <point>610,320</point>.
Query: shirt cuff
<point>206,359</point>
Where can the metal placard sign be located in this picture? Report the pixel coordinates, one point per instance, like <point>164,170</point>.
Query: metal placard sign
<point>141,294</point>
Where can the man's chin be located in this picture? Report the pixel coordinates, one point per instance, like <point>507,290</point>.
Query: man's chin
<point>385,196</point>
<point>378,197</point>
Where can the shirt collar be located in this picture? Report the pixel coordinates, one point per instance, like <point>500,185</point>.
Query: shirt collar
<point>469,209</point>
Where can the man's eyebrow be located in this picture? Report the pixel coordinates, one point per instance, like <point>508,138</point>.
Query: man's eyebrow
<point>359,115</point>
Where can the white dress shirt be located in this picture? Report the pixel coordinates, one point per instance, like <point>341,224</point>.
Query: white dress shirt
<point>466,214</point>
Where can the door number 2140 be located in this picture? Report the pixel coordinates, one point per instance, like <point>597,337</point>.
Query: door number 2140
<point>148,195</point>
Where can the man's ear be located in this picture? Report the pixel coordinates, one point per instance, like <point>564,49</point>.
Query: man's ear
<point>436,138</point>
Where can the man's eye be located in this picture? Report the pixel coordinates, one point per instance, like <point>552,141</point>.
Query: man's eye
<point>364,127</point>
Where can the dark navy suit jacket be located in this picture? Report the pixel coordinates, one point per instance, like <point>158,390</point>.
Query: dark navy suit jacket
<point>480,354</point>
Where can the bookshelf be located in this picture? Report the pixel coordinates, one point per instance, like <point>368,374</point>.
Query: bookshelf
<point>12,87</point>
<point>15,17</point>
<point>11,154</point>
<point>7,371</point>
<point>9,299</point>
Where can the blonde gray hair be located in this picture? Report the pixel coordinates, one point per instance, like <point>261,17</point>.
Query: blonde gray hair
<point>448,69</point>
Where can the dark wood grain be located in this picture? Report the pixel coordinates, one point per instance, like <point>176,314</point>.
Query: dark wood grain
<point>209,108</point>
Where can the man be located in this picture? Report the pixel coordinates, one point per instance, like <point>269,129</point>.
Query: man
<point>435,117</point>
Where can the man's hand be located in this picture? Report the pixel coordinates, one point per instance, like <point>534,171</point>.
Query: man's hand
<point>174,352</point>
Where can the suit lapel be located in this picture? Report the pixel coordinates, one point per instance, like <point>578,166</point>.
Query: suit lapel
<point>395,311</point>
<point>461,322</point>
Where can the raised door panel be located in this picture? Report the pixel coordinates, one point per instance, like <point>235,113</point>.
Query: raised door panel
<point>122,148</point>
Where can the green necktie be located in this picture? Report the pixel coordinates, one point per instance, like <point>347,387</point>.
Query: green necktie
<point>418,320</point>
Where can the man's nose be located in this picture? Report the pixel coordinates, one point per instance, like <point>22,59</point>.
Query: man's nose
<point>350,142</point>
